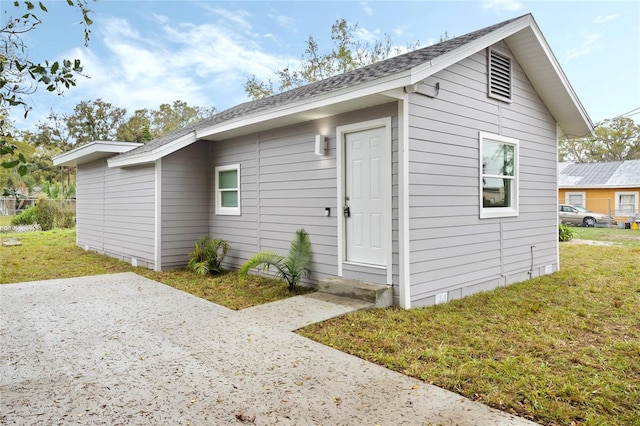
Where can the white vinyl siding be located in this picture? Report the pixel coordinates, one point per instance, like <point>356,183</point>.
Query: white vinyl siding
<point>116,211</point>
<point>284,186</point>
<point>452,249</point>
<point>227,183</point>
<point>185,202</point>
<point>498,176</point>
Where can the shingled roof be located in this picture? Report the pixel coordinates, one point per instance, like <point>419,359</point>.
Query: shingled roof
<point>361,75</point>
<point>373,85</point>
<point>612,174</point>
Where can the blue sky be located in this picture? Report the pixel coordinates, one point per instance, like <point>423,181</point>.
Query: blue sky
<point>144,53</point>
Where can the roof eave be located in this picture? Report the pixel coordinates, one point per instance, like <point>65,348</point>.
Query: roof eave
<point>93,151</point>
<point>156,154</point>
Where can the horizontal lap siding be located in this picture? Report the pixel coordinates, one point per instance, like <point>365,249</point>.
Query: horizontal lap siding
<point>451,248</point>
<point>129,200</point>
<point>185,202</point>
<point>90,205</point>
<point>284,187</point>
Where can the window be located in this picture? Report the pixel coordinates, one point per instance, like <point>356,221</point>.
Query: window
<point>575,198</point>
<point>498,176</point>
<point>626,203</point>
<point>228,189</point>
<point>499,73</point>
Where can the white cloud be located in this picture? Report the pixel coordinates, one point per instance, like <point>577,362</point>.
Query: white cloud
<point>591,43</point>
<point>508,5</point>
<point>606,18</point>
<point>283,21</point>
<point>366,35</point>
<point>366,8</point>
<point>199,64</point>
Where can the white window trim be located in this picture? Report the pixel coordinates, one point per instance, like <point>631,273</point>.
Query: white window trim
<point>493,212</point>
<point>582,194</point>
<point>618,207</point>
<point>229,211</point>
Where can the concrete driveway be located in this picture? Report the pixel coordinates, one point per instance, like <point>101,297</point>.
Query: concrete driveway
<point>122,349</point>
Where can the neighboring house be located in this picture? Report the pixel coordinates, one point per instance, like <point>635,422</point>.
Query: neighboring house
<point>612,188</point>
<point>433,172</point>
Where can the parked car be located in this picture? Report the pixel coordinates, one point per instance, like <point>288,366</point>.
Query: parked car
<point>579,216</point>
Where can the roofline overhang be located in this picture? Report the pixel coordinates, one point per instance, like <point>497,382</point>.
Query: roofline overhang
<point>382,86</point>
<point>93,151</point>
<point>156,154</point>
<point>631,186</point>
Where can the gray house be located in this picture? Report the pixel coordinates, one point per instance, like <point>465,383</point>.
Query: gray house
<point>433,172</point>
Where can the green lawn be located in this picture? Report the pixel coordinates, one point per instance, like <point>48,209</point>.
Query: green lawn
<point>562,349</point>
<point>5,220</point>
<point>625,237</point>
<point>53,254</point>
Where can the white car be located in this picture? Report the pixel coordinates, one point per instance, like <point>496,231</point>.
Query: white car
<point>579,216</point>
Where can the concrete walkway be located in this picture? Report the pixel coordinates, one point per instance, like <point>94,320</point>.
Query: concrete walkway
<point>122,349</point>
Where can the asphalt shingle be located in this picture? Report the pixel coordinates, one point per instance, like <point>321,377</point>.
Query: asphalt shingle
<point>361,75</point>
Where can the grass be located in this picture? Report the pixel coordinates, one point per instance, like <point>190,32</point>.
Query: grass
<point>562,349</point>
<point>53,254</point>
<point>5,220</point>
<point>625,237</point>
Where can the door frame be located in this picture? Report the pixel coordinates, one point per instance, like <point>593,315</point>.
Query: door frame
<point>341,132</point>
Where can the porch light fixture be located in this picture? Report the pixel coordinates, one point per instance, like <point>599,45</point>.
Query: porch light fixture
<point>321,144</point>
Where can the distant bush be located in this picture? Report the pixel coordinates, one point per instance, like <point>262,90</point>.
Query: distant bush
<point>48,214</point>
<point>565,233</point>
<point>25,217</point>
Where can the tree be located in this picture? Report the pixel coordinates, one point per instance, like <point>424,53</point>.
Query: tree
<point>615,139</point>
<point>145,124</point>
<point>347,54</point>
<point>21,76</point>
<point>95,121</point>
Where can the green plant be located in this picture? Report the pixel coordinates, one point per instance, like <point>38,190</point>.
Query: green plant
<point>46,211</point>
<point>25,217</point>
<point>207,256</point>
<point>565,233</point>
<point>290,268</point>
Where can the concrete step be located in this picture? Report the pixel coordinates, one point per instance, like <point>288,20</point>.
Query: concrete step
<point>381,296</point>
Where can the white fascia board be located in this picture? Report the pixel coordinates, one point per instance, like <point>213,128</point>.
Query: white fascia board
<point>423,71</point>
<point>369,88</point>
<point>156,154</point>
<point>92,150</point>
<point>561,75</point>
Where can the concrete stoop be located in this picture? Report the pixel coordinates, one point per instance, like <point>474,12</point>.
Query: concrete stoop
<point>381,296</point>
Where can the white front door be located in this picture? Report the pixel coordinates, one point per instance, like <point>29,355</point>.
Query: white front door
<point>367,185</point>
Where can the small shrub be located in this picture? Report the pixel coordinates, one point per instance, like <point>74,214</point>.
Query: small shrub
<point>565,233</point>
<point>290,268</point>
<point>25,217</point>
<point>65,218</point>
<point>207,256</point>
<point>46,211</point>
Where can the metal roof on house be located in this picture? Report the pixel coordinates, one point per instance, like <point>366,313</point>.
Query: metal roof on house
<point>612,174</point>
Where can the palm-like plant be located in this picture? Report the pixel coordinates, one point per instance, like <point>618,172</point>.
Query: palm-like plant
<point>290,268</point>
<point>207,256</point>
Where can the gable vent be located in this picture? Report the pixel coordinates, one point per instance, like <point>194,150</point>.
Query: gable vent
<point>499,76</point>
